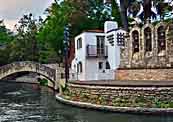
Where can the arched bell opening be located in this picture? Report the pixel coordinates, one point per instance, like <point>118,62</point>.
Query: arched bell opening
<point>148,39</point>
<point>135,37</point>
<point>161,40</point>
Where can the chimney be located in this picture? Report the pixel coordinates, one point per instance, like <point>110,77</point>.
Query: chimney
<point>110,25</point>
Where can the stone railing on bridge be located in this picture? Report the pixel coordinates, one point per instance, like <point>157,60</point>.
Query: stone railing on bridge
<point>52,73</point>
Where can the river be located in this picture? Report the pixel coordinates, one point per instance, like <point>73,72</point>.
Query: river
<point>21,102</point>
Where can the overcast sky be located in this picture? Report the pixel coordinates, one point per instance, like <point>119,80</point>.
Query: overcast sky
<point>12,10</point>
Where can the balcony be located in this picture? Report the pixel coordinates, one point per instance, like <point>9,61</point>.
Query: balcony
<point>94,52</point>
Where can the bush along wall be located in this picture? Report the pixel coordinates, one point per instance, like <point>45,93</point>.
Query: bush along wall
<point>147,97</point>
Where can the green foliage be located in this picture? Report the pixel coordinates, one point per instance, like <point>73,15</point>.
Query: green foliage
<point>80,14</point>
<point>116,13</point>
<point>47,54</point>
<point>133,7</point>
<point>25,44</point>
<point>98,12</point>
<point>52,30</point>
<point>5,35</point>
<point>5,38</point>
<point>43,82</point>
<point>4,56</point>
<point>42,41</point>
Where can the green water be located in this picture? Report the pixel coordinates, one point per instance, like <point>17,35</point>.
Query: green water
<point>31,103</point>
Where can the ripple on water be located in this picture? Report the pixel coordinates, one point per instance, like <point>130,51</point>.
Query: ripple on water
<point>34,117</point>
<point>11,115</point>
<point>13,93</point>
<point>13,112</point>
<point>15,105</point>
<point>24,103</point>
<point>2,104</point>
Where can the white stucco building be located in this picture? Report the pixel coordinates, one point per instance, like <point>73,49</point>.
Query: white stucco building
<point>97,53</point>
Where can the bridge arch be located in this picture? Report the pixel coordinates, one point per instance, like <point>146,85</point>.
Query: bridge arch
<point>28,66</point>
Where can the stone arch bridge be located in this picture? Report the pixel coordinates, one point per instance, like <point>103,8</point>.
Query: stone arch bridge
<point>51,72</point>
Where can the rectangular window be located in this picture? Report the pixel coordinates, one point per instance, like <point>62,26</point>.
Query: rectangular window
<point>100,65</point>
<point>80,64</point>
<point>100,45</point>
<point>79,43</point>
<point>77,68</point>
<point>120,39</point>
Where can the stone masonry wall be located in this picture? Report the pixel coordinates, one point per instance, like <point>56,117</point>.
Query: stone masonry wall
<point>156,97</point>
<point>159,56</point>
<point>145,74</point>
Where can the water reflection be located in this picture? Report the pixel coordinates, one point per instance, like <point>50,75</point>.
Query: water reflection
<point>31,103</point>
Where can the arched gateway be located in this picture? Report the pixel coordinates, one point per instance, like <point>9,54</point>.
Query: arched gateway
<point>53,74</point>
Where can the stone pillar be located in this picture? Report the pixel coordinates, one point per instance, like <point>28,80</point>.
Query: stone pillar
<point>60,82</point>
<point>57,78</point>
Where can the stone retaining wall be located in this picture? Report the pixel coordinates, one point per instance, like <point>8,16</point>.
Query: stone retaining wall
<point>135,110</point>
<point>145,74</point>
<point>148,97</point>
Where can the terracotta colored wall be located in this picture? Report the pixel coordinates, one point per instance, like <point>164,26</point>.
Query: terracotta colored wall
<point>144,74</point>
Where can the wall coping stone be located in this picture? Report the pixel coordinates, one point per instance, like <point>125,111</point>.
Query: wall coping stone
<point>135,110</point>
<point>122,88</point>
<point>124,83</point>
<point>144,68</point>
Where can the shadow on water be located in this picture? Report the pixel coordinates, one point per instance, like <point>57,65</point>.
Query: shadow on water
<point>32,103</point>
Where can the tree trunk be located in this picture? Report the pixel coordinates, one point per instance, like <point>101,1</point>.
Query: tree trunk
<point>123,12</point>
<point>147,9</point>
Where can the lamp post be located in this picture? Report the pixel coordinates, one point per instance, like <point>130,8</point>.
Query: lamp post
<point>66,44</point>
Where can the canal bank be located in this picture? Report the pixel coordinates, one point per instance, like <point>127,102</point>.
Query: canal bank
<point>137,97</point>
<point>116,96</point>
<point>23,102</point>
<point>134,110</point>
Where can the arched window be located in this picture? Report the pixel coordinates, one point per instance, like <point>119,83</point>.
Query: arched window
<point>135,36</point>
<point>161,38</point>
<point>107,65</point>
<point>148,39</point>
<point>79,67</point>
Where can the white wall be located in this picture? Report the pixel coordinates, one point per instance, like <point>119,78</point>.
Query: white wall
<point>80,56</point>
<point>90,37</point>
<point>114,51</point>
<point>90,65</point>
<point>93,71</point>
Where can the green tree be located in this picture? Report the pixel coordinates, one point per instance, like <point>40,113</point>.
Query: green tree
<point>98,12</point>
<point>5,38</point>
<point>5,34</point>
<point>162,7</point>
<point>116,13</point>
<point>25,45</point>
<point>52,30</point>
<point>133,7</point>
<point>82,15</point>
<point>4,54</point>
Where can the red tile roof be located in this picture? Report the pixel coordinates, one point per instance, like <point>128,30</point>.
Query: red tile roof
<point>95,31</point>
